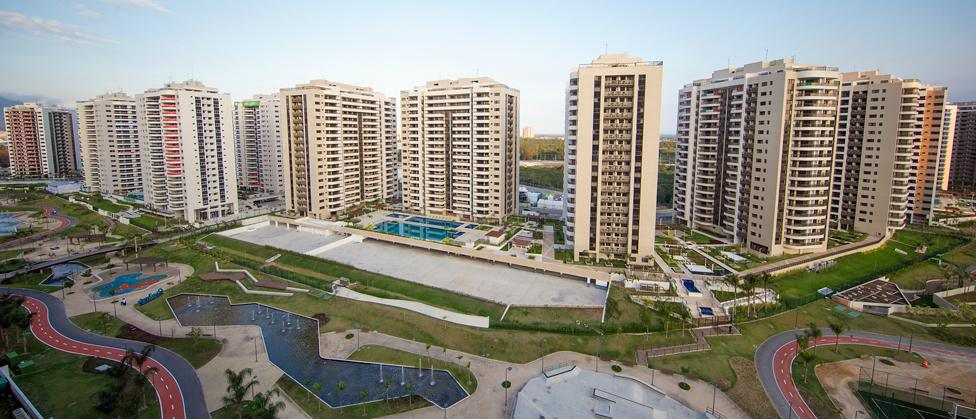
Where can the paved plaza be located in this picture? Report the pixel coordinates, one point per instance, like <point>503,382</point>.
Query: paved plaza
<point>490,281</point>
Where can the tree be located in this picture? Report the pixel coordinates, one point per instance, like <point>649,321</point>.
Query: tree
<point>340,387</point>
<point>316,388</point>
<point>195,333</point>
<point>802,342</point>
<point>806,359</point>
<point>837,328</point>
<point>733,280</point>
<point>362,399</point>
<point>815,333</point>
<point>262,406</point>
<point>237,389</point>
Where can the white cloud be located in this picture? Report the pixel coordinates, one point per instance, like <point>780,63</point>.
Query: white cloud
<point>145,4</point>
<point>16,22</point>
<point>85,11</point>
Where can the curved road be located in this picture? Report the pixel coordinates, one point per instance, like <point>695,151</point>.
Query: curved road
<point>63,223</point>
<point>774,362</point>
<point>177,385</point>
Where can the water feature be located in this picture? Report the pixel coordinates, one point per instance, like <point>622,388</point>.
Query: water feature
<point>62,272</point>
<point>126,283</point>
<point>416,231</point>
<point>296,352</point>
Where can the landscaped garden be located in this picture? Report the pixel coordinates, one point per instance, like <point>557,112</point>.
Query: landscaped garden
<point>197,351</point>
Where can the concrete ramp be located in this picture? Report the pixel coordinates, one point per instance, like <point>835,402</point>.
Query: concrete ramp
<point>325,248</point>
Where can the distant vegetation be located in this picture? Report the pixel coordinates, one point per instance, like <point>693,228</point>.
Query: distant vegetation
<point>665,186</point>
<point>550,177</point>
<point>541,148</point>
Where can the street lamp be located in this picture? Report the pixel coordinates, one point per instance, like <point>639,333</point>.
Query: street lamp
<point>506,384</point>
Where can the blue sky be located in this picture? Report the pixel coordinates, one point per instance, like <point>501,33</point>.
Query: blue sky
<point>74,50</point>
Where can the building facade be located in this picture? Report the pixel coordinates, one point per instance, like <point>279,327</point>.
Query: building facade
<point>873,158</point>
<point>962,171</point>
<point>187,151</point>
<point>459,149</point>
<point>108,134</point>
<point>42,140</point>
<point>931,153</point>
<point>257,139</point>
<point>339,143</point>
<point>755,155</point>
<point>613,112</point>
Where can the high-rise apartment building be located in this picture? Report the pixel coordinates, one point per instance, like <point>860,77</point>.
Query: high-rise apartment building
<point>459,149</point>
<point>257,138</point>
<point>187,145</point>
<point>873,158</point>
<point>528,132</point>
<point>962,172</point>
<point>42,140</point>
<point>755,155</point>
<point>931,153</point>
<point>339,143</point>
<point>108,134</point>
<point>613,116</point>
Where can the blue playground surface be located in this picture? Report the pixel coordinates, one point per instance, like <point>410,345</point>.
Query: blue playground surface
<point>690,285</point>
<point>126,283</point>
<point>706,311</point>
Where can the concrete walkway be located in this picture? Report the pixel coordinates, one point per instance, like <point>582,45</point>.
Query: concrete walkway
<point>416,307</point>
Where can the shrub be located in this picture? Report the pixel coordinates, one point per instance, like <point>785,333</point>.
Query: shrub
<point>684,386</point>
<point>349,336</point>
<point>616,368</point>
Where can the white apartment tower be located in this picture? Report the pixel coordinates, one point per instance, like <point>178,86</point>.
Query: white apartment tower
<point>459,145</point>
<point>755,155</point>
<point>187,144</point>
<point>257,139</point>
<point>873,158</point>
<point>339,143</point>
<point>613,115</point>
<point>108,132</point>
<point>932,155</point>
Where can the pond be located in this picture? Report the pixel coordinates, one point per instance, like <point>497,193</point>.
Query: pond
<point>292,343</point>
<point>63,272</point>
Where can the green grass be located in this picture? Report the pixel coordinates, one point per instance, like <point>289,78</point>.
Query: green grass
<point>542,176</point>
<point>665,187</point>
<point>148,222</point>
<point>696,237</point>
<point>59,388</point>
<point>727,295</point>
<point>7,254</point>
<point>914,276</point>
<point>382,354</point>
<point>31,280</point>
<point>505,344</point>
<point>316,409</point>
<point>801,286</point>
<point>197,354</point>
<point>811,389</point>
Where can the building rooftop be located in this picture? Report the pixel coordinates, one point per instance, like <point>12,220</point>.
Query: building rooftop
<point>878,291</point>
<point>571,392</point>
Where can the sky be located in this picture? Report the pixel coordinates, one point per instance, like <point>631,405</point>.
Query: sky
<point>75,49</point>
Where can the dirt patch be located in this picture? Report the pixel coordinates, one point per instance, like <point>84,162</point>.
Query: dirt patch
<point>134,333</point>
<point>837,379</point>
<point>748,392</point>
<point>322,318</point>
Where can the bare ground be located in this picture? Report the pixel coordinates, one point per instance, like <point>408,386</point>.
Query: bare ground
<point>748,392</point>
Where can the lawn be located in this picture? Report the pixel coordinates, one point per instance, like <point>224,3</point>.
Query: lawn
<point>59,388</point>
<point>914,277</point>
<point>394,356</point>
<point>31,280</point>
<point>801,286</point>
<point>196,353</point>
<point>316,409</point>
<point>542,176</point>
<point>85,217</point>
<point>148,222</point>
<point>504,344</point>
<point>811,389</point>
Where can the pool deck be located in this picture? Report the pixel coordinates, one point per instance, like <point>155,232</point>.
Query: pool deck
<point>503,283</point>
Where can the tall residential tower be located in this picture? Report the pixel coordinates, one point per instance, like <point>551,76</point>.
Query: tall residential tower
<point>109,138</point>
<point>339,144</point>
<point>187,145</point>
<point>613,113</point>
<point>459,145</point>
<point>42,140</point>
<point>257,138</point>
<point>962,172</point>
<point>932,152</point>
<point>755,155</point>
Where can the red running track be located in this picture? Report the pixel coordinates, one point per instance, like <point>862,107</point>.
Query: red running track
<point>167,390</point>
<point>783,366</point>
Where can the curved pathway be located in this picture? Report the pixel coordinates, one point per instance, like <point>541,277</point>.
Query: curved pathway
<point>774,363</point>
<point>63,223</point>
<point>177,385</point>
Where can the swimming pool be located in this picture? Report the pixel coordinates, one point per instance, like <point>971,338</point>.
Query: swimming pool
<point>434,222</point>
<point>415,231</point>
<point>126,283</point>
<point>61,273</point>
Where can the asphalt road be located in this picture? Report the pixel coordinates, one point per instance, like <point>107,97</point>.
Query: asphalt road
<point>774,361</point>
<point>63,223</point>
<point>177,385</point>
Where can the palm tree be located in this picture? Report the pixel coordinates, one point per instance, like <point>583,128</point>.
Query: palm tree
<point>837,328</point>
<point>805,359</point>
<point>815,333</point>
<point>141,383</point>
<point>262,406</point>
<point>802,342</point>
<point>237,389</point>
<point>340,387</point>
<point>362,399</point>
<point>733,280</point>
<point>409,393</point>
<point>316,388</point>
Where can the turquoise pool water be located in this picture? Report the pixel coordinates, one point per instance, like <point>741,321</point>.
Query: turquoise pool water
<point>434,222</point>
<point>126,283</point>
<point>416,231</point>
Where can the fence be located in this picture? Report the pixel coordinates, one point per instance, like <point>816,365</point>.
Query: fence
<point>892,391</point>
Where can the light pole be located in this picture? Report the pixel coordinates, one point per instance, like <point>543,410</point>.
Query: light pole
<point>543,355</point>
<point>255,349</point>
<point>714,390</point>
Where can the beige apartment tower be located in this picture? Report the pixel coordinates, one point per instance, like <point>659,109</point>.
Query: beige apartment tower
<point>932,153</point>
<point>108,132</point>
<point>755,155</point>
<point>339,147</point>
<point>613,112</point>
<point>459,149</point>
<point>873,158</point>
<point>257,139</point>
